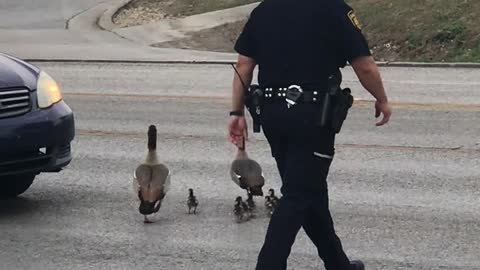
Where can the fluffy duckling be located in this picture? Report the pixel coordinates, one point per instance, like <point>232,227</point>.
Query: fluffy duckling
<point>192,202</point>
<point>241,210</point>
<point>152,179</point>
<point>271,201</point>
<point>247,173</point>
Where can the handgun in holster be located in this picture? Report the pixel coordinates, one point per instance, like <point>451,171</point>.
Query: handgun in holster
<point>254,103</point>
<point>336,103</point>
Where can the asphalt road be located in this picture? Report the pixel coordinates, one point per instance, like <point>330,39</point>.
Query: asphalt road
<point>405,196</point>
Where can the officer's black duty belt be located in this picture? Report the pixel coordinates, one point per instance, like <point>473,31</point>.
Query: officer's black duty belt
<point>296,92</point>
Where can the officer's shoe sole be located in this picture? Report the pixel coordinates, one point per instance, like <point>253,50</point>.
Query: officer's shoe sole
<point>357,265</point>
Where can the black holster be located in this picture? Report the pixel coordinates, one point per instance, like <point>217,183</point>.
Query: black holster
<point>254,99</point>
<point>336,103</point>
<point>341,102</point>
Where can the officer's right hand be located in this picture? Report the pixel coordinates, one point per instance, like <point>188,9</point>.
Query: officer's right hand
<point>383,107</point>
<point>237,130</point>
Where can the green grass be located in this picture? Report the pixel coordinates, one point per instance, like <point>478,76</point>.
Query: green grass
<point>421,30</point>
<point>397,30</point>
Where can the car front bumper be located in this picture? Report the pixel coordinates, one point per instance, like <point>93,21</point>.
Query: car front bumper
<point>38,141</point>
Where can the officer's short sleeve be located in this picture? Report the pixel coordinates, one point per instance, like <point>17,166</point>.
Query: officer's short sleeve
<point>246,44</point>
<point>350,38</point>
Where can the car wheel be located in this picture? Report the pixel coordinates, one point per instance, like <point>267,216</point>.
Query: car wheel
<point>13,185</point>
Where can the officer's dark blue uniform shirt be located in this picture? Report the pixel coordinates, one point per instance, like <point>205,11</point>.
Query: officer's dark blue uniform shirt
<point>301,41</point>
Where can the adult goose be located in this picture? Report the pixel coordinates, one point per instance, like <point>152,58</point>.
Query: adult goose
<point>247,173</point>
<point>151,179</point>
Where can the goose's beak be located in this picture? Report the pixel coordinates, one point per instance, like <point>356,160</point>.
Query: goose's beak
<point>146,208</point>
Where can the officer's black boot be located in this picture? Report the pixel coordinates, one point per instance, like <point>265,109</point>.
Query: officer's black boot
<point>357,265</point>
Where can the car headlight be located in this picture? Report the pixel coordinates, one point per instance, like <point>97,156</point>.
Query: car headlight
<point>48,92</point>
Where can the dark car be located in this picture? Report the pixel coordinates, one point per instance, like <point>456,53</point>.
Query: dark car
<point>36,126</point>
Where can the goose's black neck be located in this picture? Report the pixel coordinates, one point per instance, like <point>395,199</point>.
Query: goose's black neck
<point>152,138</point>
<point>242,146</point>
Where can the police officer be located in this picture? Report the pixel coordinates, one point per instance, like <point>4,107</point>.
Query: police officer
<point>298,44</point>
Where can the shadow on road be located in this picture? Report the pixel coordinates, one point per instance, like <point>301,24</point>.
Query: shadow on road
<point>19,206</point>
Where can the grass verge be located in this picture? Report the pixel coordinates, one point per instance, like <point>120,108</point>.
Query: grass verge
<point>421,30</point>
<point>397,30</point>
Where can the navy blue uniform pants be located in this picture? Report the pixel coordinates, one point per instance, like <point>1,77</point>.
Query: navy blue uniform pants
<point>303,153</point>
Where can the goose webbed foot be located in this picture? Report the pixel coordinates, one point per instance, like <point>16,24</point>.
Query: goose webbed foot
<point>146,220</point>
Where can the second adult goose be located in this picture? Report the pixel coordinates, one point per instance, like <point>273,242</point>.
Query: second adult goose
<point>247,173</point>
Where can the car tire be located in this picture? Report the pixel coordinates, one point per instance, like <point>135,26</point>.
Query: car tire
<point>13,185</point>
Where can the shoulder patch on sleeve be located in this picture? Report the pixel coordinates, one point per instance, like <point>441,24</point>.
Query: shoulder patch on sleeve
<point>353,18</point>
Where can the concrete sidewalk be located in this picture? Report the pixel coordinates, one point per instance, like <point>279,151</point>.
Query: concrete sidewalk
<point>177,28</point>
<point>82,39</point>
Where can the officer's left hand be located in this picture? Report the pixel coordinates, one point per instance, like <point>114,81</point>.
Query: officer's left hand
<point>383,108</point>
<point>237,129</point>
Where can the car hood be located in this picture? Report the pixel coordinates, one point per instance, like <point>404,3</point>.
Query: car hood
<point>17,73</point>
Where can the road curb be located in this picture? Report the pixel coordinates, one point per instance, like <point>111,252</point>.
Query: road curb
<point>176,28</point>
<point>105,21</point>
<point>428,65</point>
<point>106,61</point>
<point>229,62</point>
<point>111,8</point>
